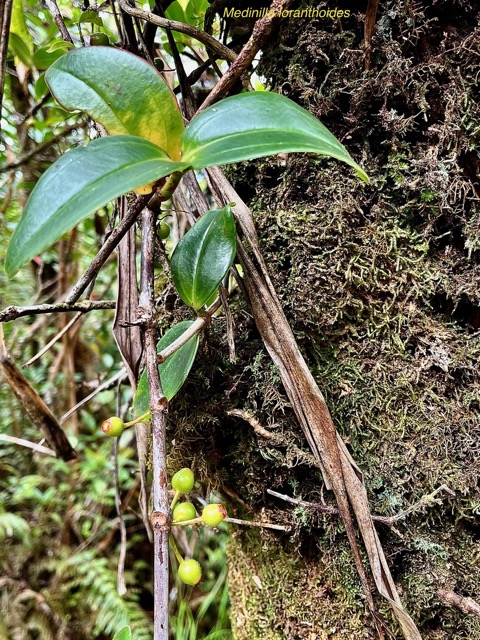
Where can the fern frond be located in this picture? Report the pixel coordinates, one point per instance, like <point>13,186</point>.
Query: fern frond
<point>13,526</point>
<point>91,582</point>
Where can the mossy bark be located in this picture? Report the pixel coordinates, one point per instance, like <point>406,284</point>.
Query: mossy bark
<point>381,286</point>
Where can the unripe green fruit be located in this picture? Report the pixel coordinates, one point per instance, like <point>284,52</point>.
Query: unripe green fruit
<point>183,480</point>
<point>164,230</point>
<point>99,40</point>
<point>113,427</point>
<point>159,64</point>
<point>190,572</point>
<point>184,511</point>
<point>213,514</point>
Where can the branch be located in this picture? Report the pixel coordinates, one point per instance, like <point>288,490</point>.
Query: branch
<point>370,18</point>
<point>28,444</point>
<point>12,313</point>
<point>118,233</point>
<point>108,246</point>
<point>220,49</point>
<point>197,326</point>
<point>54,340</point>
<point>465,605</point>
<point>39,149</point>
<point>261,31</point>
<point>425,501</point>
<point>105,385</point>
<point>57,16</point>
<point>277,439</point>
<point>5,17</point>
<point>160,517</point>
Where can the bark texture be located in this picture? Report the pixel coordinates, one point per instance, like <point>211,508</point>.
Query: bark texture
<point>381,286</point>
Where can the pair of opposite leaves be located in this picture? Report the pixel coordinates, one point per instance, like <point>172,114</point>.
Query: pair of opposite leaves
<point>148,141</point>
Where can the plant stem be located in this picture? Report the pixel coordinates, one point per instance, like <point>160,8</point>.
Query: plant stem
<point>186,523</point>
<point>175,550</point>
<point>158,407</point>
<point>146,416</point>
<point>175,499</point>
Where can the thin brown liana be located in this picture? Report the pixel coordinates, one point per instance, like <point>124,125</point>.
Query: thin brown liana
<point>340,471</point>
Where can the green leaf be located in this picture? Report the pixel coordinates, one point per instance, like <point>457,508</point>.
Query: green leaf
<point>60,45</point>
<point>124,634</point>
<point>173,372</point>
<point>256,124</point>
<point>120,91</point>
<point>204,255</point>
<point>42,58</point>
<point>91,17</point>
<point>79,183</point>
<point>40,87</point>
<point>19,48</point>
<point>18,24</point>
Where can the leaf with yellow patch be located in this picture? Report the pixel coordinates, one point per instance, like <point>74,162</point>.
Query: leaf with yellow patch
<point>120,91</point>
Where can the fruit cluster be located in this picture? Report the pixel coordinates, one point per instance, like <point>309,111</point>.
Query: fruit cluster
<point>184,513</point>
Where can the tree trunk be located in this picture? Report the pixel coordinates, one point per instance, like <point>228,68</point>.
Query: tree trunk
<point>381,286</point>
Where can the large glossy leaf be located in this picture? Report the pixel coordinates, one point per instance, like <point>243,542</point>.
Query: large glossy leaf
<point>124,634</point>
<point>121,91</point>
<point>80,182</point>
<point>256,124</point>
<point>203,256</point>
<point>173,372</point>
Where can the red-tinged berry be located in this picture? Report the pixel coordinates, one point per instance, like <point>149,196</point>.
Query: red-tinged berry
<point>183,480</point>
<point>190,572</point>
<point>113,427</point>
<point>184,511</point>
<point>164,230</point>
<point>213,514</point>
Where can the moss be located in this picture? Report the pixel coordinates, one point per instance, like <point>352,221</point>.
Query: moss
<point>278,594</point>
<point>381,285</point>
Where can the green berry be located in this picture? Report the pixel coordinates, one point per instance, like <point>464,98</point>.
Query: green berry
<point>213,514</point>
<point>184,511</point>
<point>164,230</point>
<point>99,40</point>
<point>183,480</point>
<point>159,63</point>
<point>113,427</point>
<point>190,572</point>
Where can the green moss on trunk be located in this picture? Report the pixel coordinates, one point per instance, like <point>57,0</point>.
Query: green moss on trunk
<point>381,284</point>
